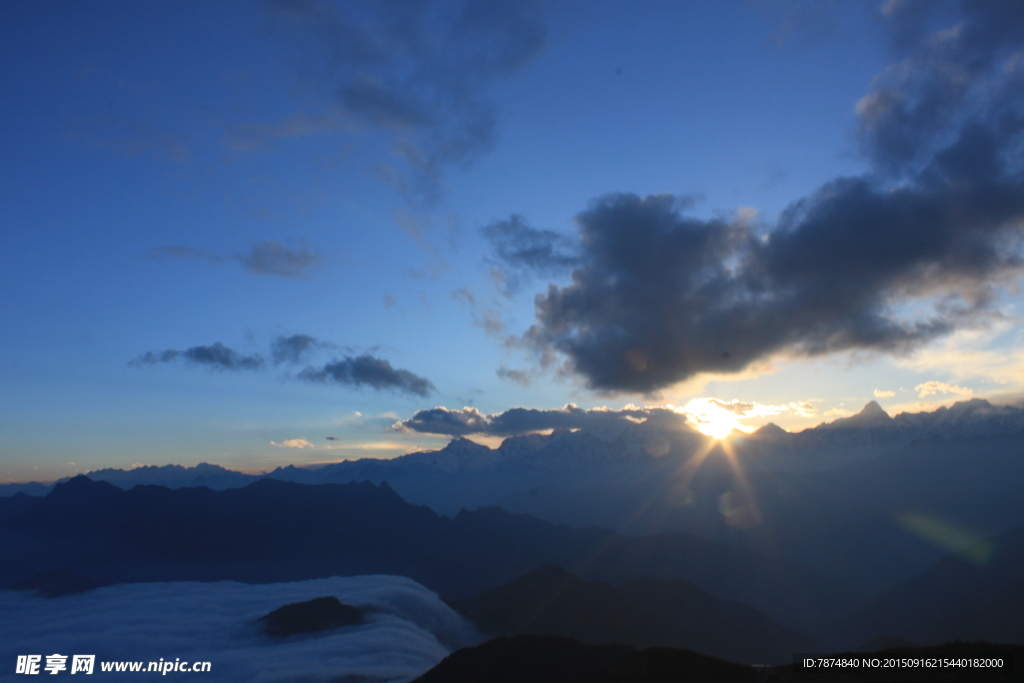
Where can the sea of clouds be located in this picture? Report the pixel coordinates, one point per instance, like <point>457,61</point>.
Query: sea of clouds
<point>407,631</point>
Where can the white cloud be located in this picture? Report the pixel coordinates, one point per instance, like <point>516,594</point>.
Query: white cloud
<point>408,629</point>
<point>881,393</point>
<point>292,443</point>
<point>934,387</point>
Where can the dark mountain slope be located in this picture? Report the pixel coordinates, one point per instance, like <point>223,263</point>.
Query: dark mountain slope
<point>553,659</point>
<point>976,595</point>
<point>642,613</point>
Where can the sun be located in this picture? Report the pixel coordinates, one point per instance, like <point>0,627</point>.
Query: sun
<point>711,419</point>
<point>716,430</point>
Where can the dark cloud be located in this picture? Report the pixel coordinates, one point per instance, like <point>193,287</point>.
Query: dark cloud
<point>882,262</point>
<point>417,70</point>
<point>521,251</point>
<point>331,438</point>
<point>358,371</point>
<point>958,66</point>
<point>265,258</point>
<point>295,348</point>
<point>526,420</point>
<point>367,370</point>
<point>216,356</point>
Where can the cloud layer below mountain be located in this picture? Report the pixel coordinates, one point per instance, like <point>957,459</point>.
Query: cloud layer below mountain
<point>408,630</point>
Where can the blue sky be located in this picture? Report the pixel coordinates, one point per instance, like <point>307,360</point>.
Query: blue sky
<point>181,178</point>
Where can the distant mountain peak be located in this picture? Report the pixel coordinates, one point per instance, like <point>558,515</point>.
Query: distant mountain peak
<point>873,410</point>
<point>770,431</point>
<point>81,485</point>
<point>870,415</point>
<point>462,444</point>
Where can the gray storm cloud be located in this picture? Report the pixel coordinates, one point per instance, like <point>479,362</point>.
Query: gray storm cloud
<point>659,296</point>
<point>408,629</point>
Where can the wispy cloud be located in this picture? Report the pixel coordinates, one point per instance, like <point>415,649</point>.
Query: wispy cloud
<point>292,443</point>
<point>419,72</point>
<point>365,370</point>
<point>368,371</point>
<point>264,258</point>
<point>881,393</point>
<point>296,348</point>
<point>935,387</point>
<point>274,258</point>
<point>521,252</point>
<point>215,356</point>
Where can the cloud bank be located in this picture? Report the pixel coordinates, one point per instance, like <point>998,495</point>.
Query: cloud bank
<point>525,420</point>
<point>884,262</point>
<point>408,630</point>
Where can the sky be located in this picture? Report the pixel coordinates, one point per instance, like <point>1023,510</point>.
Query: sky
<point>291,232</point>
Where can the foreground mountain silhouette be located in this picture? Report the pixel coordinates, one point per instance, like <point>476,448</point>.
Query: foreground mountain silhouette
<point>555,659</point>
<point>280,531</point>
<point>977,594</point>
<point>642,613</point>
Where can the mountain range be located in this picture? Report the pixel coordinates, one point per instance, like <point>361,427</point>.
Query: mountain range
<point>661,589</point>
<point>282,531</point>
<point>847,497</point>
<point>585,457</point>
